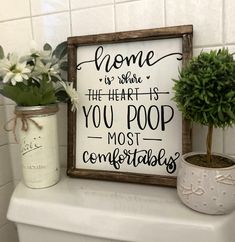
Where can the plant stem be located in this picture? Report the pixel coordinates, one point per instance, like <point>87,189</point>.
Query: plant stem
<point>209,142</point>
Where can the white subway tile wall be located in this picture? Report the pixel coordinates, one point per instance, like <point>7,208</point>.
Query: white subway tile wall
<point>206,17</point>
<point>39,7</point>
<point>12,33</point>
<point>15,162</point>
<point>12,9</point>
<point>5,165</point>
<point>62,124</point>
<point>229,18</point>
<point>52,28</point>
<point>78,4</point>
<point>5,194</point>
<point>3,133</point>
<point>93,20</point>
<point>199,139</point>
<point>54,20</point>
<point>122,1</point>
<point>9,113</point>
<point>8,233</point>
<point>1,100</point>
<point>229,141</point>
<point>132,15</point>
<point>7,229</point>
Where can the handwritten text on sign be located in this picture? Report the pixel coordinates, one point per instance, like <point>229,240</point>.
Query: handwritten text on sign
<point>126,119</point>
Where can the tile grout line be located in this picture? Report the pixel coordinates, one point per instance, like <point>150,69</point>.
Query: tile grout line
<point>92,6</point>
<point>128,1</point>
<point>5,144</point>
<point>223,23</point>
<point>7,120</point>
<point>223,43</point>
<point>6,184</point>
<point>32,16</point>
<point>47,14</point>
<point>14,19</point>
<point>164,13</point>
<point>70,18</point>
<point>115,15</point>
<point>207,46</point>
<point>31,19</point>
<point>56,12</point>
<point>3,225</point>
<point>213,46</point>
<point>12,143</point>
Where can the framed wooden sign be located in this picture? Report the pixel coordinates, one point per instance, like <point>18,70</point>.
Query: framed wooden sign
<point>127,127</point>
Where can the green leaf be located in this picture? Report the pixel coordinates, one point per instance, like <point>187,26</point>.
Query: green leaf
<point>47,47</point>
<point>230,114</point>
<point>204,116</point>
<point>230,94</point>
<point>31,95</point>
<point>62,96</point>
<point>64,66</point>
<point>60,50</point>
<point>210,94</point>
<point>1,52</point>
<point>204,91</point>
<point>221,116</point>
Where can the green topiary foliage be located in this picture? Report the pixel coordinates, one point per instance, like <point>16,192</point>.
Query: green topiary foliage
<point>205,91</point>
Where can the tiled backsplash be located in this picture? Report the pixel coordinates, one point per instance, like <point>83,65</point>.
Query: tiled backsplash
<point>39,7</point>
<point>3,134</point>
<point>11,9</point>
<point>7,229</point>
<point>133,15</point>
<point>93,20</point>
<point>207,19</point>
<point>53,21</point>
<point>52,28</point>
<point>11,40</point>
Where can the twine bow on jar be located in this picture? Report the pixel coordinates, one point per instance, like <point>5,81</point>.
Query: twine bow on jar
<point>26,116</point>
<point>25,119</point>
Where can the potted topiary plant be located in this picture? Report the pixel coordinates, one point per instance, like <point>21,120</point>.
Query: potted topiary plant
<point>205,93</point>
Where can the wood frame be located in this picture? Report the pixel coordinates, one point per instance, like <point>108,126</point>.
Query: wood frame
<point>186,33</point>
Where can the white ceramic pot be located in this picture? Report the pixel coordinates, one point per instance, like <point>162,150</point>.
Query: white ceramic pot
<point>206,190</point>
<point>39,145</point>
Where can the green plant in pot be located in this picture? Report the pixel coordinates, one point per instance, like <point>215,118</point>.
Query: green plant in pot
<point>205,94</point>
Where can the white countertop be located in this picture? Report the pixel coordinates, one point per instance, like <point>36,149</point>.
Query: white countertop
<point>118,211</point>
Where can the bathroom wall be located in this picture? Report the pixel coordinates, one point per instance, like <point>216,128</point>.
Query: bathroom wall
<point>54,20</point>
<point>7,229</point>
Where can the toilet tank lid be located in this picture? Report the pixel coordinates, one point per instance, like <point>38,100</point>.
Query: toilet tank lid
<point>118,211</point>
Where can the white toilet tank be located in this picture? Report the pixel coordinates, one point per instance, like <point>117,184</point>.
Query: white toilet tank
<point>77,210</point>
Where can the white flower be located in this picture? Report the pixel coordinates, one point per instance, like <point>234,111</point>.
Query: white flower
<point>40,53</point>
<point>72,93</point>
<point>48,68</point>
<point>12,70</point>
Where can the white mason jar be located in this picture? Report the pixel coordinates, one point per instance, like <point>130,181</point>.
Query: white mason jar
<point>38,137</point>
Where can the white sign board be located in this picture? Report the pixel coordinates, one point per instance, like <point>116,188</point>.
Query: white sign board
<point>127,121</point>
